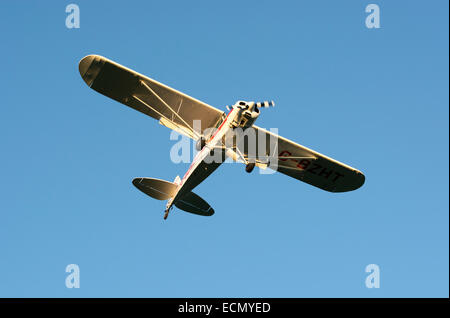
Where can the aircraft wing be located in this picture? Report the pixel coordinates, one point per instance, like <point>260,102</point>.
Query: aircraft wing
<point>299,162</point>
<point>172,108</point>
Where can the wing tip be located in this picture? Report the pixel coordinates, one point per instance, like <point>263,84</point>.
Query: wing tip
<point>84,64</point>
<point>136,181</point>
<point>89,66</point>
<point>361,179</point>
<point>357,183</point>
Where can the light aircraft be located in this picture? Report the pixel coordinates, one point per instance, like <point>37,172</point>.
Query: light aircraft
<point>178,111</point>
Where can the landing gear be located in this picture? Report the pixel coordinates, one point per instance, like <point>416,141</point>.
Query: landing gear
<point>201,142</point>
<point>249,167</point>
<point>166,214</point>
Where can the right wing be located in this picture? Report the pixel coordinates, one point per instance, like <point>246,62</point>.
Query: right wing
<point>172,108</point>
<point>300,162</point>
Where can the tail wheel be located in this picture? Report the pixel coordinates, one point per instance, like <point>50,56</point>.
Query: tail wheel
<point>249,167</point>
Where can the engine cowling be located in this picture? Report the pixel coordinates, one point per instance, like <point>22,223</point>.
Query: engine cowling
<point>252,114</point>
<point>249,112</point>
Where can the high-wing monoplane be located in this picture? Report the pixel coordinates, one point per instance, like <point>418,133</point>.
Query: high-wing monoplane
<point>218,135</point>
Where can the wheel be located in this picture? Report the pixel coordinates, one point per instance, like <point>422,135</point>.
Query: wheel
<point>249,167</point>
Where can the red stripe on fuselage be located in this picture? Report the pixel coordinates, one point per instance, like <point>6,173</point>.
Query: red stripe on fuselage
<point>220,127</point>
<point>198,155</point>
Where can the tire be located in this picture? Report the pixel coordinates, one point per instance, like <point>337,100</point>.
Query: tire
<point>249,167</point>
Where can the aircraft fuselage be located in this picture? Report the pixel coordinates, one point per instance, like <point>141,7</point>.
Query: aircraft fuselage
<point>204,162</point>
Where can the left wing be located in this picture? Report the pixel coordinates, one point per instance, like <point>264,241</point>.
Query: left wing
<point>172,108</point>
<point>299,162</point>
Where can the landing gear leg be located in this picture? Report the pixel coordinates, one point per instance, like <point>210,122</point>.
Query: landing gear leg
<point>166,211</point>
<point>166,214</point>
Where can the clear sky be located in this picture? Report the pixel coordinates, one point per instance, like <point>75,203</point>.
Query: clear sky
<point>376,99</point>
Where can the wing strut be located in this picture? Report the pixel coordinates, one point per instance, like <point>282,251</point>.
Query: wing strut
<point>239,153</point>
<point>168,107</point>
<point>153,109</point>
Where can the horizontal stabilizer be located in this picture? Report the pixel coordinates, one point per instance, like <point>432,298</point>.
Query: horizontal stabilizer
<point>192,203</point>
<point>156,188</point>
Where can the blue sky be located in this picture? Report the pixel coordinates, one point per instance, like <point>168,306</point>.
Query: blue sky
<point>376,99</point>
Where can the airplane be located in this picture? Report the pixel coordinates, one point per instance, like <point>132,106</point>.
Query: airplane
<point>179,112</point>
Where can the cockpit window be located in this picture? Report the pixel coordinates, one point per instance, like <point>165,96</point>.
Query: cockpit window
<point>242,103</point>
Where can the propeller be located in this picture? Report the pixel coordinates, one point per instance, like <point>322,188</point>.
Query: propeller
<point>265,104</point>
<point>246,105</point>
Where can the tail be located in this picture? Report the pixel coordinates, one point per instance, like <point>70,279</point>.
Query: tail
<point>169,203</point>
<point>166,190</point>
